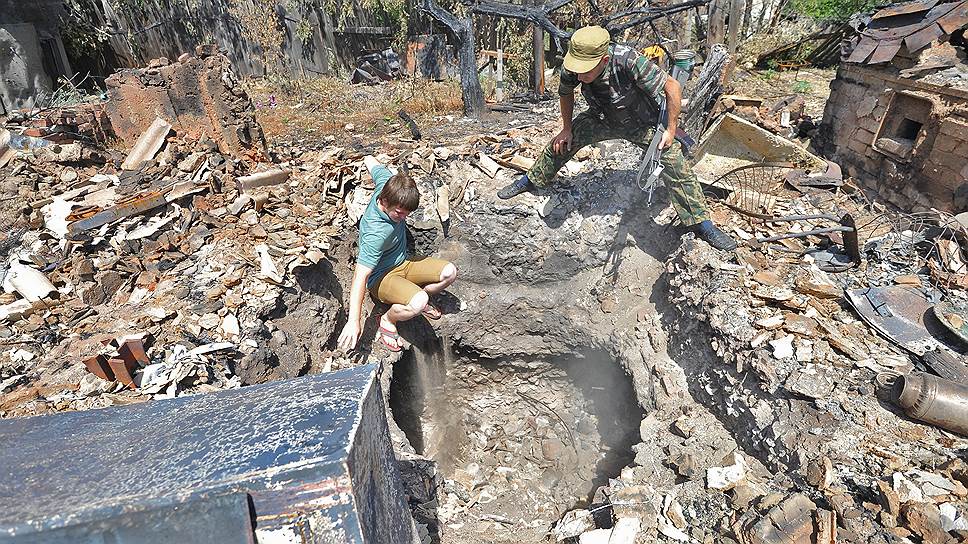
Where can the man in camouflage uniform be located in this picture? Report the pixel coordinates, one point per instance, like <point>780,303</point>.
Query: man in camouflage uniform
<point>624,91</point>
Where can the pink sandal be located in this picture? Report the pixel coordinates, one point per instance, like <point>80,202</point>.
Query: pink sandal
<point>386,333</point>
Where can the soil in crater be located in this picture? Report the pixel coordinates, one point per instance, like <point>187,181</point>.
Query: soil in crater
<point>518,441</point>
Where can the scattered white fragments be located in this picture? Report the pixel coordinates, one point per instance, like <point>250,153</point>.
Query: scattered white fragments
<point>666,525</point>
<point>267,268</point>
<point>230,325</point>
<point>951,520</point>
<point>726,478</point>
<point>31,283</point>
<point>596,536</point>
<point>625,531</point>
<point>180,364</point>
<point>572,524</point>
<point>783,347</point>
<point>488,165</point>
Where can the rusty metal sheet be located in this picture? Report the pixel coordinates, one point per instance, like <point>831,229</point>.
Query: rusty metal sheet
<point>923,37</point>
<point>894,32</point>
<point>885,52</point>
<point>955,20</point>
<point>862,51</point>
<point>125,207</point>
<point>905,8</point>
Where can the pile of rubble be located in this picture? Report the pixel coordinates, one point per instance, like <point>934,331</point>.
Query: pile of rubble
<point>770,381</point>
<point>184,240</point>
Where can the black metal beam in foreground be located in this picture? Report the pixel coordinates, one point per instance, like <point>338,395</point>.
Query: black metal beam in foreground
<point>302,460</point>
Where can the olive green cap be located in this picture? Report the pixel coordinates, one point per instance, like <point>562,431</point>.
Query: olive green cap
<point>586,48</point>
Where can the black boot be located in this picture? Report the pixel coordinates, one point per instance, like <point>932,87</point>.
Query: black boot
<point>522,185</point>
<point>713,236</point>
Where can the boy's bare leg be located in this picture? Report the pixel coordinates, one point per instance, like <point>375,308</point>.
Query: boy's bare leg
<point>403,312</point>
<point>447,277</point>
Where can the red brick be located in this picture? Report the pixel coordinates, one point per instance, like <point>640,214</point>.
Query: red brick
<point>134,351</point>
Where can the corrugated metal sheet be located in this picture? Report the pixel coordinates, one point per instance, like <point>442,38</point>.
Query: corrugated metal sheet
<point>915,25</point>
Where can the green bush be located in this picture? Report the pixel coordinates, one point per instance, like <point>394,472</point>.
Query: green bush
<point>830,10</point>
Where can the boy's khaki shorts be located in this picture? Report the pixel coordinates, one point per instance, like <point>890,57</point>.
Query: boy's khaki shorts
<point>400,284</point>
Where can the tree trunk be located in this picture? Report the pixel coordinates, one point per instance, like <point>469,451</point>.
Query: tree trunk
<point>463,33</point>
<point>709,86</point>
<point>735,20</point>
<point>717,22</point>
<point>747,19</point>
<point>470,85</point>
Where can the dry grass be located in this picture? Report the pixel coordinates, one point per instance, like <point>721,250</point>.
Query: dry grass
<point>325,106</point>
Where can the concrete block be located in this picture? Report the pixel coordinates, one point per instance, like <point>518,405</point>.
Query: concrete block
<point>869,123</point>
<point>944,144</point>
<point>955,128</point>
<point>313,454</point>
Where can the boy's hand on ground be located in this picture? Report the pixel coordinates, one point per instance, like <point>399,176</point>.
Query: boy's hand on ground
<point>370,162</point>
<point>349,336</point>
<point>562,142</point>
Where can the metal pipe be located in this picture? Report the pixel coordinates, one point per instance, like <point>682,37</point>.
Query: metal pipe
<point>805,233</point>
<point>802,217</point>
<point>934,400</point>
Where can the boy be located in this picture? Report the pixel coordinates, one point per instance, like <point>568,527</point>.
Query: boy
<point>382,265</point>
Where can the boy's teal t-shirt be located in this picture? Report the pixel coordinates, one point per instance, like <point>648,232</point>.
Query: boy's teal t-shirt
<point>383,243</point>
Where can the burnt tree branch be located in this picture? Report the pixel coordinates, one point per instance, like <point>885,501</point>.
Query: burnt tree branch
<point>535,15</point>
<point>645,15</point>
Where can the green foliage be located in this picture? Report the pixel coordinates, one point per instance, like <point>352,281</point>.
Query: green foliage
<point>304,31</point>
<point>830,10</point>
<point>769,74</point>
<point>801,87</point>
<point>81,28</point>
<point>517,46</point>
<point>260,24</point>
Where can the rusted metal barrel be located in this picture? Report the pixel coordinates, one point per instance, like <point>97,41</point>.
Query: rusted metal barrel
<point>934,400</point>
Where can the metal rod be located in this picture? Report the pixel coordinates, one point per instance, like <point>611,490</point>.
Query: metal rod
<point>805,234</point>
<point>803,217</point>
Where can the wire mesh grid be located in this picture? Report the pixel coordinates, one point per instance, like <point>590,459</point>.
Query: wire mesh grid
<point>753,189</point>
<point>946,259</point>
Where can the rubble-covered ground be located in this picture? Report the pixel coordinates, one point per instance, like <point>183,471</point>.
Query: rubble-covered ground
<point>597,373</point>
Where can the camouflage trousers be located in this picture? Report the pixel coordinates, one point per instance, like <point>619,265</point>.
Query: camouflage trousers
<point>684,189</point>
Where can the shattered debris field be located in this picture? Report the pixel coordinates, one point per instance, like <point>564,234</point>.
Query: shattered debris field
<point>599,373</point>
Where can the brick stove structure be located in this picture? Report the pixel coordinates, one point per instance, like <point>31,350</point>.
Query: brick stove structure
<point>897,117</point>
<point>199,96</point>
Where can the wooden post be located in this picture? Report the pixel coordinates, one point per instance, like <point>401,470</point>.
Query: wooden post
<point>717,22</point>
<point>735,21</point>
<point>538,42</point>
<point>499,90</point>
